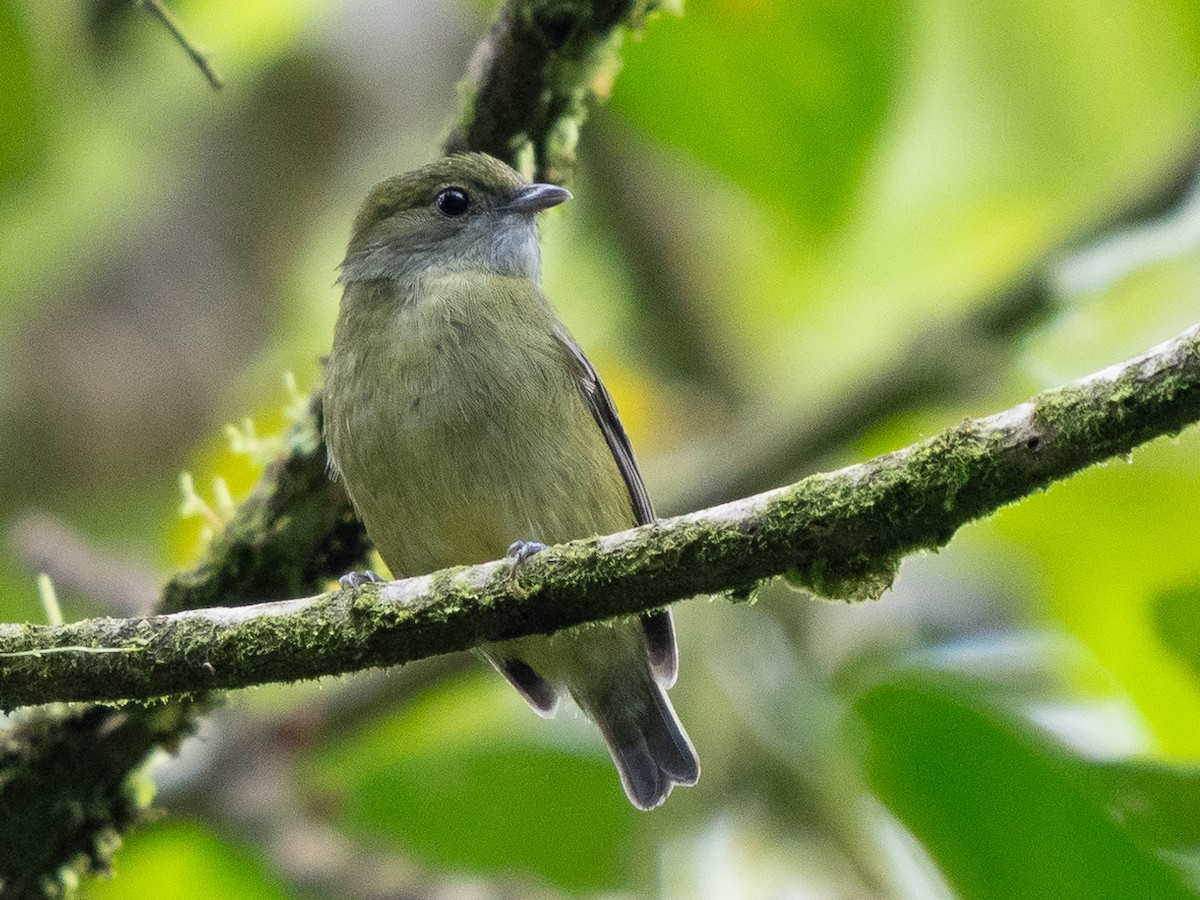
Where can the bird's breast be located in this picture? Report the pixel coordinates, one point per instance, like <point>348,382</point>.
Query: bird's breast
<point>458,428</point>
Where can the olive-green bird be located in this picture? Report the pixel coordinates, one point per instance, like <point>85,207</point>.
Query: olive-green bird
<point>466,423</point>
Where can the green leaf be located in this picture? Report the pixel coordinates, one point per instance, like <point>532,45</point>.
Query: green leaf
<point>1176,615</point>
<point>1006,812</point>
<point>786,99</point>
<point>1159,804</point>
<point>22,137</point>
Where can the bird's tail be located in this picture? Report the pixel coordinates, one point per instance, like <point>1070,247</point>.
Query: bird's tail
<point>651,750</point>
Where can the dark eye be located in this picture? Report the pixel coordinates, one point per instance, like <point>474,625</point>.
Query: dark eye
<point>453,201</point>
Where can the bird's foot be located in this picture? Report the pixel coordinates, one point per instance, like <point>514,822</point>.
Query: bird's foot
<point>520,552</point>
<point>352,581</point>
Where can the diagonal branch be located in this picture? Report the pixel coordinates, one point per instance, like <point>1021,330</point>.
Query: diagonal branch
<point>840,535</point>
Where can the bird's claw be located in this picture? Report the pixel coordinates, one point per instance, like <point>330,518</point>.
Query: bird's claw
<point>352,581</point>
<point>520,552</point>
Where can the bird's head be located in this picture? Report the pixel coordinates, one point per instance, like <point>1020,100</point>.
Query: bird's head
<point>467,212</point>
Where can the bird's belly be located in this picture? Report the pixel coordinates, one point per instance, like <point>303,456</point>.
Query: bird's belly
<point>449,479</point>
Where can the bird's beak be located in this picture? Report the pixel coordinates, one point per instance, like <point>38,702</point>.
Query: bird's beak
<point>533,198</point>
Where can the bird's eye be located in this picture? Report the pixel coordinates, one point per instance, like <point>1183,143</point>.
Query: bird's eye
<point>453,201</point>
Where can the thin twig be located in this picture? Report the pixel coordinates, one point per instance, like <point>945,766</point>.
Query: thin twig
<point>159,10</point>
<point>678,336</point>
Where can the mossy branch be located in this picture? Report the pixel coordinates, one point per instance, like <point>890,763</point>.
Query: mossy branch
<point>531,78</point>
<point>840,535</point>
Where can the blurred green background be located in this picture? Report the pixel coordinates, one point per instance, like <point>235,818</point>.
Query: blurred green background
<point>779,199</point>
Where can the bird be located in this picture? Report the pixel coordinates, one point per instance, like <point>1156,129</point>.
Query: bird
<point>466,423</point>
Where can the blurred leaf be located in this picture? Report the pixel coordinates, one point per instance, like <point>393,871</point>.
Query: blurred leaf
<point>1101,546</point>
<point>1177,616</point>
<point>22,137</point>
<point>501,809</point>
<point>1158,804</point>
<point>1006,812</point>
<point>784,98</point>
<point>180,861</point>
<point>738,858</point>
<point>467,779</point>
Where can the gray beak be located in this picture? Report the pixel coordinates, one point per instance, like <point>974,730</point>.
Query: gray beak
<point>534,198</point>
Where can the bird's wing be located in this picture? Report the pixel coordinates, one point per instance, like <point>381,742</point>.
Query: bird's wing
<point>658,626</point>
<point>600,405</point>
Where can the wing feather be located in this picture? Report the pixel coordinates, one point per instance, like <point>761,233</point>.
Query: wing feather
<point>657,626</point>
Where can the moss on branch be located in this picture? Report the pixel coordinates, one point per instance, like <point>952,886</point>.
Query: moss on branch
<point>532,76</point>
<point>67,795</point>
<point>840,535</point>
<point>287,538</point>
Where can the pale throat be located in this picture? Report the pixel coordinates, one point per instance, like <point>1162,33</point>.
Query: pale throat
<point>515,250</point>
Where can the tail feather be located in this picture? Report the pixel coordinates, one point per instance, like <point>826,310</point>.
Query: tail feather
<point>539,693</point>
<point>643,780</point>
<point>661,649</point>
<point>649,747</point>
<point>669,744</point>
